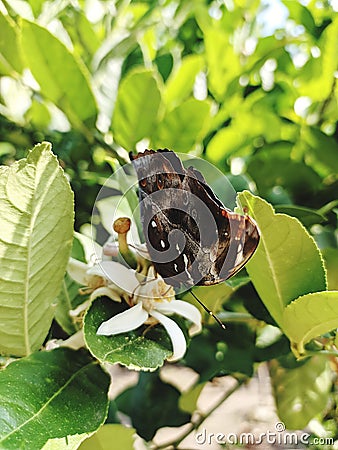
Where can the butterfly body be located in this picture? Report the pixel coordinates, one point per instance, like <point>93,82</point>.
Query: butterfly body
<point>192,238</point>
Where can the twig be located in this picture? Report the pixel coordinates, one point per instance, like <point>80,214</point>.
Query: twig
<point>194,425</point>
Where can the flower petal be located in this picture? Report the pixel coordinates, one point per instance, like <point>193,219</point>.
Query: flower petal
<point>107,291</point>
<point>183,309</point>
<point>77,270</point>
<point>122,277</point>
<point>176,335</point>
<point>75,341</point>
<point>126,321</point>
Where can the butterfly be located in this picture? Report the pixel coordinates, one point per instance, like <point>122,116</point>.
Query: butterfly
<point>191,237</point>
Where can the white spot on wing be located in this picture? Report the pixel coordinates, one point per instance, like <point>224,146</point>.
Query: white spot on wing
<point>162,244</point>
<point>239,257</point>
<point>185,259</point>
<point>175,267</point>
<point>153,224</point>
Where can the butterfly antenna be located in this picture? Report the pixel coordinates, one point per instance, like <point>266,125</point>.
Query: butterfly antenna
<point>208,310</point>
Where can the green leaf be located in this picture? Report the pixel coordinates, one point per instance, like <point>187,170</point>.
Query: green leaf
<point>307,216</point>
<point>139,349</point>
<point>331,263</point>
<point>326,161</point>
<point>287,262</point>
<point>301,393</point>
<point>111,436</point>
<point>212,297</point>
<point>316,80</point>
<point>66,443</point>
<point>10,59</point>
<point>310,316</point>
<point>180,83</point>
<point>222,62</point>
<point>301,15</point>
<point>136,108</point>
<point>38,115</point>
<point>188,400</point>
<point>36,229</point>
<point>225,142</point>
<point>184,126</point>
<point>158,399</point>
<point>69,298</point>
<point>62,79</point>
<point>217,352</point>
<point>36,6</point>
<point>299,180</point>
<point>51,395</point>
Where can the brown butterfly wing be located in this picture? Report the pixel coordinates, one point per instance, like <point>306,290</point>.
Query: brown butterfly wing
<point>191,237</point>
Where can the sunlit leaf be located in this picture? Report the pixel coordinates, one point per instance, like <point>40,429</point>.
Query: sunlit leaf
<point>223,63</point>
<point>66,443</point>
<point>36,223</point>
<point>66,395</point>
<point>136,107</point>
<point>61,77</point>
<point>317,77</point>
<point>310,316</point>
<point>10,59</point>
<point>183,126</point>
<point>188,400</point>
<point>287,262</point>
<point>112,436</point>
<point>180,84</point>
<point>225,142</point>
<point>301,15</point>
<point>36,6</point>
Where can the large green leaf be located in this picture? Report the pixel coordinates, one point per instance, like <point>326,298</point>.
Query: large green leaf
<point>310,316</point>
<point>141,349</point>
<point>51,395</point>
<point>36,230</point>
<point>62,79</point>
<point>302,392</point>
<point>10,58</point>
<point>287,262</point>
<point>183,126</point>
<point>136,107</point>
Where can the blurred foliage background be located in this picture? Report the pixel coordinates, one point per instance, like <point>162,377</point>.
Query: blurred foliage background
<point>249,85</point>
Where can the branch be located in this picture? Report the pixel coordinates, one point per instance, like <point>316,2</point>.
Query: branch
<point>194,425</point>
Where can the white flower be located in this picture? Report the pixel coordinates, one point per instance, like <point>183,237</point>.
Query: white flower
<point>151,301</point>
